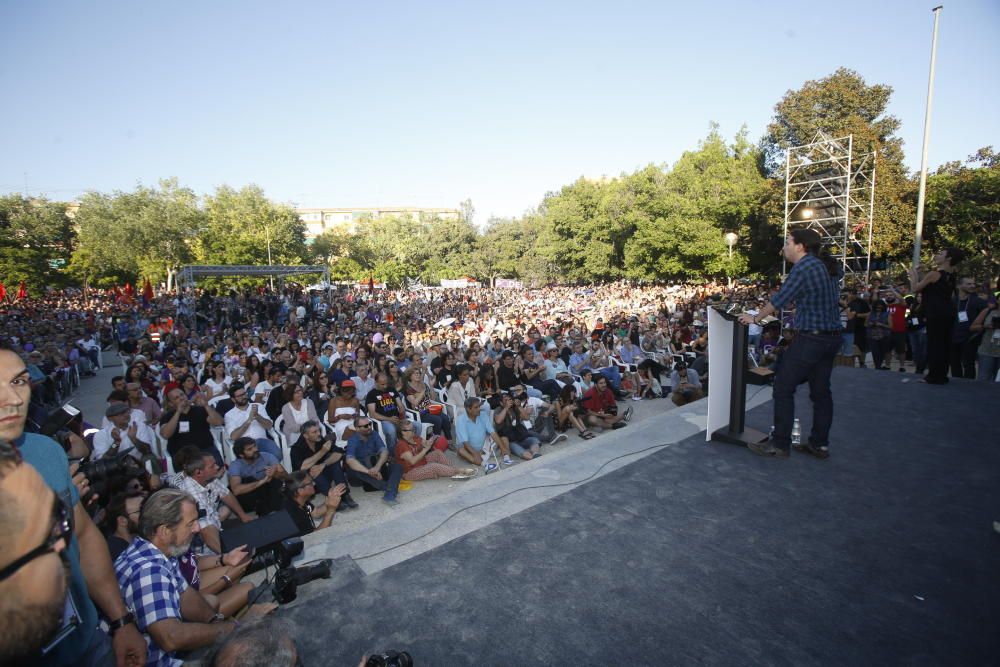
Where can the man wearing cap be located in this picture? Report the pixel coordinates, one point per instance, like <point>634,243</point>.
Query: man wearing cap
<point>123,436</point>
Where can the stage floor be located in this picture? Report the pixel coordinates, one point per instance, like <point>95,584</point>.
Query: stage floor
<point>706,554</point>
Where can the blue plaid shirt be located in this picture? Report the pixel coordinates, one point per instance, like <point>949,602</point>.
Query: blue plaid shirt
<point>816,294</point>
<point>151,585</point>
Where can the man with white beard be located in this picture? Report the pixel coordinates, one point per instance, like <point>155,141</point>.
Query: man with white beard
<point>172,616</point>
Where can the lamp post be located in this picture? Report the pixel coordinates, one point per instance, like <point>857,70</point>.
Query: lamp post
<point>731,239</point>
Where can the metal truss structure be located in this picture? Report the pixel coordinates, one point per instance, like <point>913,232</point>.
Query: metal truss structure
<point>188,275</point>
<point>831,190</point>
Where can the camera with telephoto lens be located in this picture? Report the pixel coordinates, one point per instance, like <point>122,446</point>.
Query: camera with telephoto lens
<point>288,579</point>
<point>390,659</point>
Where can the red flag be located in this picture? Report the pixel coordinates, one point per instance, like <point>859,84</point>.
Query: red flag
<point>147,293</point>
<point>129,290</point>
<point>3,292</point>
<point>22,291</point>
<point>371,284</point>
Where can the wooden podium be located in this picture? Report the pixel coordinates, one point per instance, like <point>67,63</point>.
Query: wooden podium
<point>727,381</point>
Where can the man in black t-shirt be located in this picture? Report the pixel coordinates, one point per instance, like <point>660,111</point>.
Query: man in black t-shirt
<point>299,490</point>
<point>321,459</point>
<point>188,423</point>
<point>385,405</point>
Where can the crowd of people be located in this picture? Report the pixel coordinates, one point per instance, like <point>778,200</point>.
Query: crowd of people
<point>234,404</point>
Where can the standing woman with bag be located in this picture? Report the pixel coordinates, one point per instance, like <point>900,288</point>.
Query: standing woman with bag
<point>938,287</point>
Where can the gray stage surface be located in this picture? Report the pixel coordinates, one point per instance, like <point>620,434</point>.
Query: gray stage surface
<point>706,554</point>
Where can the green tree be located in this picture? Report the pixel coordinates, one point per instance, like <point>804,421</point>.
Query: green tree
<point>36,241</point>
<point>245,227</point>
<point>963,210</point>
<point>145,232</point>
<point>843,104</point>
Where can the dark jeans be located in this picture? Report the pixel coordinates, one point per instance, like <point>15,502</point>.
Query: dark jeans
<point>262,500</point>
<point>441,423</point>
<point>808,357</point>
<point>331,476</point>
<point>963,358</point>
<point>391,474</point>
<point>918,346</point>
<point>880,348</point>
<point>938,348</point>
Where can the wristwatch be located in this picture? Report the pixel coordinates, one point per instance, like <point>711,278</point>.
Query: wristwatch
<point>218,618</point>
<point>116,625</point>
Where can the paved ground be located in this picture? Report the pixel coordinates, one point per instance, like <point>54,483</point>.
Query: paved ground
<point>705,554</point>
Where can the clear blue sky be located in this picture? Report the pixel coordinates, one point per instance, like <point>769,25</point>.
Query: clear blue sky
<point>426,104</point>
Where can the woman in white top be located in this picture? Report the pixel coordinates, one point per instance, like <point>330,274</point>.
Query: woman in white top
<point>461,388</point>
<point>218,383</point>
<point>297,411</point>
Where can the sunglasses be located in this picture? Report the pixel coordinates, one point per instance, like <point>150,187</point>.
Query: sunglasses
<point>62,529</point>
<point>364,425</point>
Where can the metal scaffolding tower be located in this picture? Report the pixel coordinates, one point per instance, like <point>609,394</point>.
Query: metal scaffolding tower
<point>831,190</point>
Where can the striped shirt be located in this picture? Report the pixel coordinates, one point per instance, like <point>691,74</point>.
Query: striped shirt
<point>816,295</point>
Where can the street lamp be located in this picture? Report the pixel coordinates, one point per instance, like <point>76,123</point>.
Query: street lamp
<point>731,239</point>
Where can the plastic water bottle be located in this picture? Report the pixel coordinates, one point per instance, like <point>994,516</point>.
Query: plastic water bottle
<point>796,432</point>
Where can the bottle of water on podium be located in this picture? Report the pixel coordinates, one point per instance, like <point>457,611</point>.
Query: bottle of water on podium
<point>796,432</point>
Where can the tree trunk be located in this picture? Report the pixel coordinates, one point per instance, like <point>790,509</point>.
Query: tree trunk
<point>170,278</point>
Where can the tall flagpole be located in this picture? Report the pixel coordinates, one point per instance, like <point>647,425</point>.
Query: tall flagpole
<point>918,237</point>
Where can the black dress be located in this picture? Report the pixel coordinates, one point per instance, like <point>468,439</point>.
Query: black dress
<point>940,312</point>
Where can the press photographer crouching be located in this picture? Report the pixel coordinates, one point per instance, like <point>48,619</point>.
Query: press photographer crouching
<point>172,615</point>
<point>216,578</point>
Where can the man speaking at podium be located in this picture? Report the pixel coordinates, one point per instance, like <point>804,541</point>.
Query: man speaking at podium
<point>813,283</point>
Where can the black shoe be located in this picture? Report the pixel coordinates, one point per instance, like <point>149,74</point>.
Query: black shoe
<point>617,425</point>
<point>348,502</point>
<point>818,452</point>
<point>767,449</point>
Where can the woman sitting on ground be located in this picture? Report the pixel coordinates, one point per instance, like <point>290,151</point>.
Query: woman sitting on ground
<point>568,413</point>
<point>423,460</point>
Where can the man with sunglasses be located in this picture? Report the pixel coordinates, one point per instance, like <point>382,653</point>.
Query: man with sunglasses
<point>35,529</point>
<point>366,458</point>
<point>92,578</point>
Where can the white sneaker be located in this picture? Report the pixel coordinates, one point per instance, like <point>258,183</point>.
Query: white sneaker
<point>558,438</point>
<point>489,467</point>
<point>507,461</point>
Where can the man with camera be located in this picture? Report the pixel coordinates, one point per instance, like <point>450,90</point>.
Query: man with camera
<point>686,385</point>
<point>172,615</point>
<point>91,577</point>
<point>602,410</point>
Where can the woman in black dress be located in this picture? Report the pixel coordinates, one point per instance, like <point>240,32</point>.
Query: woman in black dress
<point>938,288</point>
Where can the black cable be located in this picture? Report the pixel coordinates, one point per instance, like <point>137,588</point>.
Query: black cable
<point>525,488</point>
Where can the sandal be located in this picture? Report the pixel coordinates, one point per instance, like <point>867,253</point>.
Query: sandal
<point>587,435</point>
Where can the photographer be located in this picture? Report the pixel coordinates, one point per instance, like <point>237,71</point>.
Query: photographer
<point>91,577</point>
<point>216,578</point>
<point>686,385</point>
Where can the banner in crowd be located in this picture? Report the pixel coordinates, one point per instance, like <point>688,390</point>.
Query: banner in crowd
<point>459,283</point>
<point>508,283</point>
